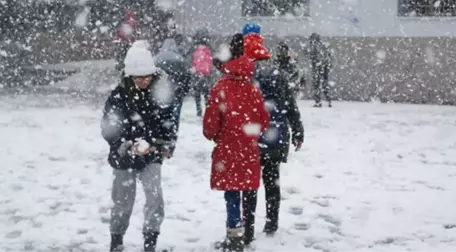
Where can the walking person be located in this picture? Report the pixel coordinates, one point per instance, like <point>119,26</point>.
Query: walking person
<point>273,80</point>
<point>288,66</point>
<point>234,119</point>
<point>173,64</point>
<point>135,125</point>
<point>126,34</point>
<point>202,69</point>
<point>321,63</point>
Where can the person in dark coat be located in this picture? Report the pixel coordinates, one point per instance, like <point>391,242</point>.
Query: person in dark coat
<point>321,63</point>
<point>273,81</point>
<point>234,119</point>
<point>288,66</point>
<point>173,64</point>
<point>137,124</point>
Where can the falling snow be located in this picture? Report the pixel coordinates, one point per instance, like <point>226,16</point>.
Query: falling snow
<point>383,156</point>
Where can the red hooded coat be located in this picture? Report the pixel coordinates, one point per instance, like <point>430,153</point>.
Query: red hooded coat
<point>234,118</point>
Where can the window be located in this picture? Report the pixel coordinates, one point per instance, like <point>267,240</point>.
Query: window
<point>427,8</point>
<point>275,8</point>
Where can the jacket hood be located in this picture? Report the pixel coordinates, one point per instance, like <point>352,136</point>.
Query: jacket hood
<point>169,51</point>
<point>239,67</point>
<point>254,47</point>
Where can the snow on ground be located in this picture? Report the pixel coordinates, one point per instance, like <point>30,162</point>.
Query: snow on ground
<point>92,76</point>
<point>371,177</point>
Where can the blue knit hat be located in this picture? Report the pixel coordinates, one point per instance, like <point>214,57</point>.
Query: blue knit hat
<point>251,28</point>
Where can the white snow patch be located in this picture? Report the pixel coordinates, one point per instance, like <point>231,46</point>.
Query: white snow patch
<point>163,91</point>
<point>82,18</point>
<point>252,129</point>
<point>224,53</point>
<point>381,54</point>
<point>430,57</point>
<point>272,134</point>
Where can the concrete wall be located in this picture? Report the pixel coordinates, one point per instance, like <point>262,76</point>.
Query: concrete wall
<point>376,18</point>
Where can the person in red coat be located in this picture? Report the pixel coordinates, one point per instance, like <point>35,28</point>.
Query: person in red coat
<point>126,34</point>
<point>234,119</point>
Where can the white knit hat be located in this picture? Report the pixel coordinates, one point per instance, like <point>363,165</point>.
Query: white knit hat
<point>139,60</point>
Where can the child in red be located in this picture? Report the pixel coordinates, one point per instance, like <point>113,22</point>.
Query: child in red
<point>234,119</point>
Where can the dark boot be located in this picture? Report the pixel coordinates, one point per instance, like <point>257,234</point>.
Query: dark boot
<point>150,241</point>
<point>116,243</point>
<point>271,227</point>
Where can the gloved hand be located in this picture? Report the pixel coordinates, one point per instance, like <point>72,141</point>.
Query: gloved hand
<point>124,148</point>
<point>297,144</point>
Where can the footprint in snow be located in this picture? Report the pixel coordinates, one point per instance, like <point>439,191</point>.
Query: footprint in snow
<point>14,234</point>
<point>296,210</point>
<point>302,226</point>
<point>330,219</point>
<point>192,240</point>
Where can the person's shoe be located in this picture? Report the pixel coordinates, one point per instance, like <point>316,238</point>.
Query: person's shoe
<point>317,105</point>
<point>234,241</point>
<point>271,227</point>
<point>150,241</point>
<point>116,243</point>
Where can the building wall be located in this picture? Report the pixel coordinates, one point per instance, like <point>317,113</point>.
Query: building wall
<point>382,56</point>
<point>376,18</point>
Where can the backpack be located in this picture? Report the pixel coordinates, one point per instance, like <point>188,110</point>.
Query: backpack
<point>275,137</point>
<point>202,60</point>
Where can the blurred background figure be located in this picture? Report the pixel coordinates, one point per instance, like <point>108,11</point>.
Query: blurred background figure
<point>126,34</point>
<point>287,64</point>
<point>202,68</point>
<point>320,58</point>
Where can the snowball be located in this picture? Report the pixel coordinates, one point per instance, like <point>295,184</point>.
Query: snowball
<point>381,54</point>
<point>252,129</point>
<point>224,53</point>
<point>219,166</point>
<point>142,145</point>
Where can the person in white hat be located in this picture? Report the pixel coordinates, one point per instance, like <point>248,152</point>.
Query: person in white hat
<point>137,127</point>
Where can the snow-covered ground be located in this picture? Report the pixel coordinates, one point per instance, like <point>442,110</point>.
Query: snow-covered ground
<point>371,177</point>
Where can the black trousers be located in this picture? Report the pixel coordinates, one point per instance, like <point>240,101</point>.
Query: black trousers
<point>320,80</point>
<point>201,87</point>
<point>271,176</point>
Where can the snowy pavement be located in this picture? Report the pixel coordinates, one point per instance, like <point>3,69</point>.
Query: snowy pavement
<point>371,177</point>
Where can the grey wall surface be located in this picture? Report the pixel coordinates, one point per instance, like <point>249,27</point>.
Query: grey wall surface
<point>391,69</point>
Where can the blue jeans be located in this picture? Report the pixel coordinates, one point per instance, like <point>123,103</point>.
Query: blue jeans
<point>240,208</point>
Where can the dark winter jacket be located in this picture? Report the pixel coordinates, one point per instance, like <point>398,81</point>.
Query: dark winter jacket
<point>320,56</point>
<point>289,68</point>
<point>173,64</point>
<point>284,113</point>
<point>130,114</point>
